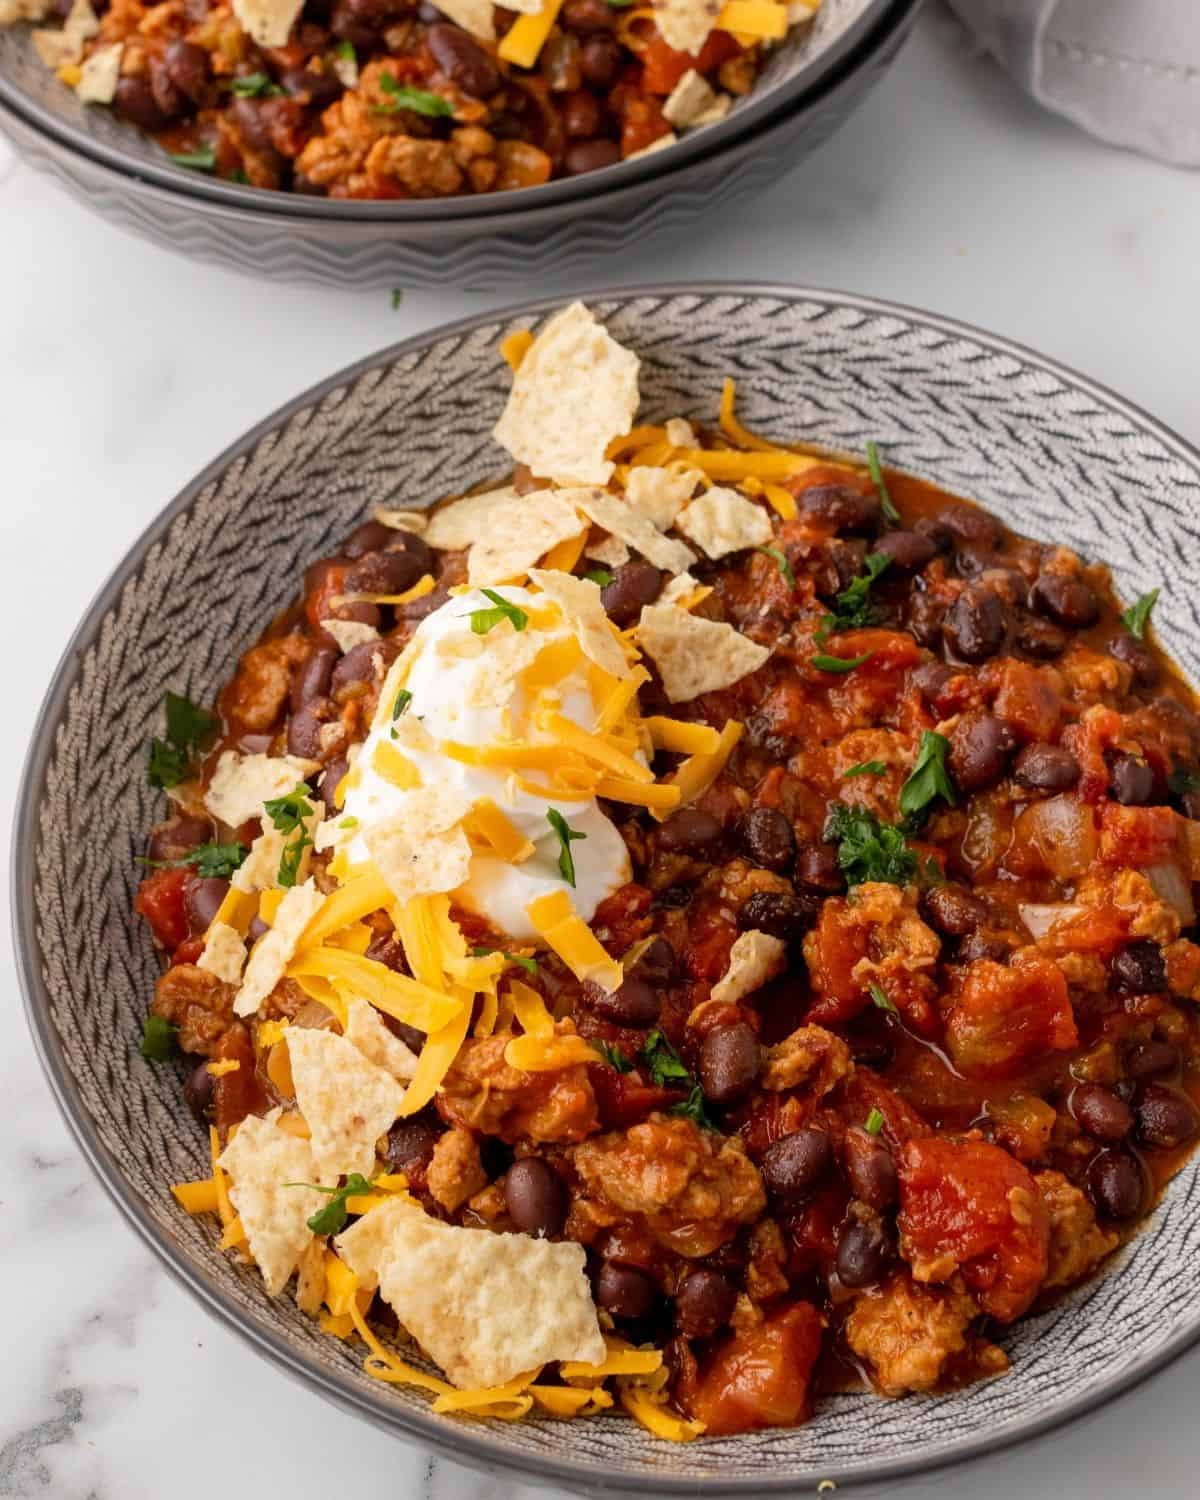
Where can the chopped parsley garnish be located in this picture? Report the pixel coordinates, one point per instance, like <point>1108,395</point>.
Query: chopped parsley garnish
<point>158,1039</point>
<point>349,821</point>
<point>202,159</point>
<point>189,728</point>
<point>853,608</point>
<point>400,707</point>
<point>890,513</point>
<point>614,1057</point>
<point>397,297</point>
<point>664,1062</point>
<point>483,620</point>
<point>345,50</point>
<point>692,1108</point>
<point>1137,616</point>
<point>869,849</point>
<point>287,814</point>
<point>255,86</point>
<point>874,1122</point>
<point>929,780</point>
<point>238,176</point>
<point>866,768</point>
<point>212,861</point>
<point>599,576</point>
<point>420,101</point>
<point>566,861</point>
<point>528,964</point>
<point>881,999</point>
<point>332,1218</point>
<point>1182,782</point>
<point>781,563</point>
<point>839,663</point>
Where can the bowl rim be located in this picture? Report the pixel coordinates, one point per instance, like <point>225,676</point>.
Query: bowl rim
<point>852,47</point>
<point>466,1443</point>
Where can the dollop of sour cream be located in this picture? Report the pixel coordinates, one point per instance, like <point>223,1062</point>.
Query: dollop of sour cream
<point>466,689</point>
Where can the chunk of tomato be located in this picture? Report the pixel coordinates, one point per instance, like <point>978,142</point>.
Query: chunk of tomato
<point>760,1377</point>
<point>160,901</point>
<point>1004,1015</point>
<point>663,66</point>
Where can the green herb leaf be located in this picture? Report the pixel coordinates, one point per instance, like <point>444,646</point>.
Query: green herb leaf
<point>566,861</point>
<point>866,768</point>
<point>692,1108</point>
<point>400,707</point>
<point>929,780</point>
<point>158,1039</point>
<point>216,861</point>
<point>288,814</point>
<point>202,159</point>
<point>781,563</point>
<point>255,86</point>
<point>664,1063</point>
<point>839,663</point>
<point>188,725</point>
<point>168,766</point>
<point>890,513</point>
<point>853,607</point>
<point>881,999</point>
<point>614,1057</point>
<point>869,849</point>
<point>345,50</point>
<point>526,963</point>
<point>332,1218</point>
<point>1137,616</point>
<point>348,822</point>
<point>397,297</point>
<point>483,620</point>
<point>599,575</point>
<point>420,101</point>
<point>1182,782</point>
<point>874,1122</point>
<point>238,176</point>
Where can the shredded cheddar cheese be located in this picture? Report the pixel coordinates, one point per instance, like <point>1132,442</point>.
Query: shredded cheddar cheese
<point>547,1054</point>
<point>515,347</point>
<point>560,927</point>
<point>686,739</point>
<point>527,36</point>
<point>530,1009</point>
<point>492,826</point>
<point>222,1066</point>
<point>395,767</point>
<point>196,1197</point>
<point>694,777</point>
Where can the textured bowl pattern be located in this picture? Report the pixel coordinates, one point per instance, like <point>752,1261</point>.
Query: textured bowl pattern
<point>1052,454</point>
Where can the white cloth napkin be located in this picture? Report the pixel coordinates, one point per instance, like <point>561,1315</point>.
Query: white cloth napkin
<point>1128,71</point>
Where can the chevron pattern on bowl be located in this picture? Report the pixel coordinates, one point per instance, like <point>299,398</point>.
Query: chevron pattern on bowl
<point>1052,453</point>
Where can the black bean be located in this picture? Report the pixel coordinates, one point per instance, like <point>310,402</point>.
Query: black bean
<point>908,550</point>
<point>317,90</point>
<point>780,914</point>
<point>953,910</point>
<point>313,678</point>
<point>586,17</point>
<point>581,114</point>
<point>304,731</point>
<point>1132,782</point>
<point>134,101</point>
<point>600,62</point>
<point>729,1059</point>
<point>189,69</point>
<point>931,679</point>
<point>1134,654</point>
<point>766,837</point>
<point>980,745</point>
<point>1046,768</point>
<point>817,866</point>
<point>411,1142</point>
<point>371,536</point>
<point>796,1164</point>
<point>1140,969</point>
<point>365,663</point>
<point>980,944</point>
<point>625,1291</point>
<point>257,929</point>
<point>1101,1113</point>
<point>870,1170</point>
<point>1065,600</point>
<point>839,507</point>
<point>1151,1059</point>
<point>388,572</point>
<point>1115,1184</point>
<point>636,1003</point>
<point>335,771</point>
<point>923,615</point>
<point>463,60</point>
<point>202,899</point>
<point>1039,638</point>
<point>864,1253</point>
<point>976,624</point>
<point>427,13</point>
<point>704,1303</point>
<point>634,584</point>
<point>536,1197</point>
<point>689,831</point>
<point>175,839</point>
<point>846,560</point>
<point>172,101</point>
<point>198,1092</point>
<point>969,562</point>
<point>591,156</point>
<point>937,532</point>
<point>1165,1118</point>
<point>972,526</point>
<point>656,963</point>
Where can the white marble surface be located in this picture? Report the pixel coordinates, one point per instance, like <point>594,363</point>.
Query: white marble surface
<point>123,371</point>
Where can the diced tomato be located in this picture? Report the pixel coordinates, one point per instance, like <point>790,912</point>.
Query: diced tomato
<point>330,585</point>
<point>969,1205</point>
<point>642,122</point>
<point>623,918</point>
<point>1097,731</point>
<point>188,951</point>
<point>760,1377</point>
<point>239,1093</point>
<point>836,945</point>
<point>812,1233</point>
<point>1005,1015</point>
<point>711,935</point>
<point>663,66</point>
<point>1027,697</point>
<point>160,901</point>
<point>766,1117</point>
<point>623,1099</point>
<point>1096,929</point>
<point>866,1091</point>
<point>1137,837</point>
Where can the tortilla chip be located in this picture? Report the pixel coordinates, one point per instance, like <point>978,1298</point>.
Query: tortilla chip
<point>273,951</point>
<point>242,783</point>
<point>660,143</point>
<point>99,75</point>
<point>349,633</point>
<point>579,600</point>
<point>520,533</point>
<point>377,1044</point>
<point>754,958</point>
<point>57,48</point>
<point>268,22</point>
<point>575,391</point>
<point>347,1101</point>
<point>422,851</point>
<point>224,953</point>
<point>690,98</point>
<point>487,1307</point>
<point>610,552</point>
<point>680,433</point>
<point>637,530</point>
<point>660,494</point>
<point>462,522</point>
<point>685,24</point>
<point>476,16</point>
<point>13,11</point>
<point>261,1160</point>
<point>721,521</point>
<point>695,656</point>
<point>416,521</point>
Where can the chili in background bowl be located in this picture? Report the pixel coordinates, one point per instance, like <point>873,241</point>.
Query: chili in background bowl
<point>1048,451</point>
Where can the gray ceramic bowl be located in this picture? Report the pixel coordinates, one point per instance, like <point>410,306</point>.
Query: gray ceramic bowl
<point>1048,450</point>
<point>430,245</point>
